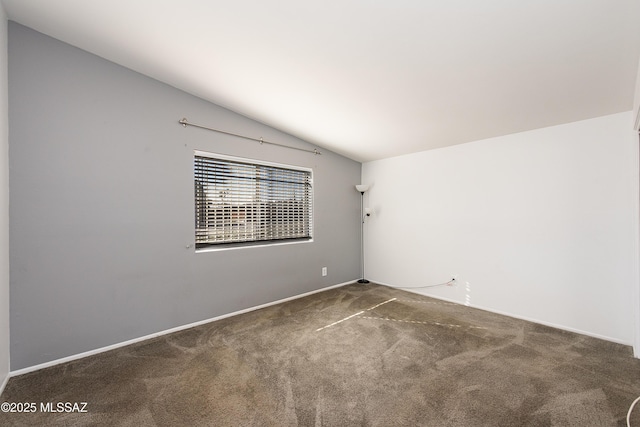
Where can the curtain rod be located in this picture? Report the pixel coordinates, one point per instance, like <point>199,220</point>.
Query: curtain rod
<point>184,122</point>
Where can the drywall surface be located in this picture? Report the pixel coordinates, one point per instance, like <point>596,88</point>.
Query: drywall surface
<point>636,102</point>
<point>102,215</point>
<point>4,204</point>
<point>636,126</point>
<point>539,224</point>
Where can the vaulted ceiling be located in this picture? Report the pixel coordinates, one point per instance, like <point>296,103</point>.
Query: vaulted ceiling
<point>370,79</point>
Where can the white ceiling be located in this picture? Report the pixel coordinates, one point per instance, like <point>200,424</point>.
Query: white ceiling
<point>370,79</point>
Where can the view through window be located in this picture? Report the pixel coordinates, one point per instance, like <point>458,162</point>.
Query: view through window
<point>239,201</point>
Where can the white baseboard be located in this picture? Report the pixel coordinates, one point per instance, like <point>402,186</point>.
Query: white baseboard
<point>165,332</point>
<point>4,383</point>
<point>515,316</point>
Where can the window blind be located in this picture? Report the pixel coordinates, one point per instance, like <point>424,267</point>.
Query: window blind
<point>239,202</point>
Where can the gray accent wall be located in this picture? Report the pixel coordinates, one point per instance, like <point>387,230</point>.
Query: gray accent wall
<point>102,216</point>
<point>4,205</point>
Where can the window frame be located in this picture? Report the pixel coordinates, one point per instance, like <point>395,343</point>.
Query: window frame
<point>223,245</point>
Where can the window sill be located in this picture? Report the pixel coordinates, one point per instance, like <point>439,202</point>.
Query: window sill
<point>250,246</point>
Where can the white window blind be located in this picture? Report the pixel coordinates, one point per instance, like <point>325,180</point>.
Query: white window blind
<point>238,201</point>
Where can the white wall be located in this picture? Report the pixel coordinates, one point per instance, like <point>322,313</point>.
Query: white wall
<point>636,127</point>
<point>4,206</point>
<point>540,225</point>
<point>636,102</point>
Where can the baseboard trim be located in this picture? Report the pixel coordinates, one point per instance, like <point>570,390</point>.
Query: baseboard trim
<point>515,316</point>
<point>71,358</point>
<point>4,383</point>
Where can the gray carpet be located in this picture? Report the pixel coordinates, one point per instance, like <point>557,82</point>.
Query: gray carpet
<point>360,355</point>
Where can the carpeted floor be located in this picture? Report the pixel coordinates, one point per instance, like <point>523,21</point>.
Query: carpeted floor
<point>359,355</point>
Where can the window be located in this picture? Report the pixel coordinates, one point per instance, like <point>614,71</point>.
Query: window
<point>239,201</point>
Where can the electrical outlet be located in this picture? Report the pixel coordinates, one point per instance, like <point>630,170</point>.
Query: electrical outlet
<point>324,271</point>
